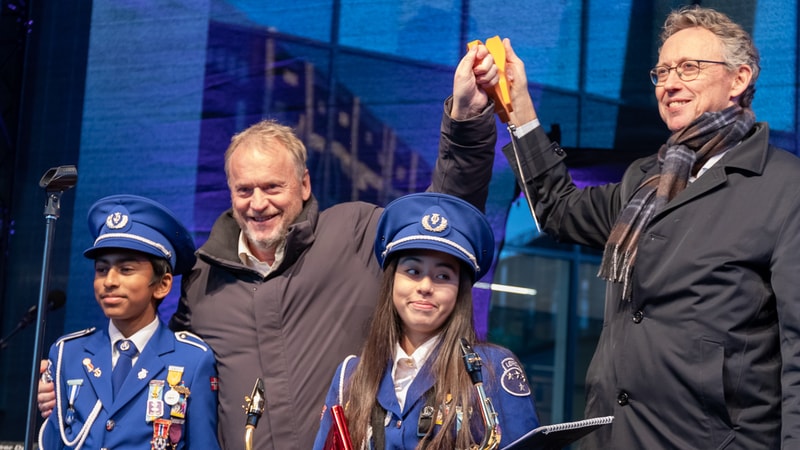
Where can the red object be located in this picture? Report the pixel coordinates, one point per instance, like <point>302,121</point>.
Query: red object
<point>339,436</point>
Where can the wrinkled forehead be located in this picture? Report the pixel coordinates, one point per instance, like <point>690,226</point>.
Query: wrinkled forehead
<point>690,43</point>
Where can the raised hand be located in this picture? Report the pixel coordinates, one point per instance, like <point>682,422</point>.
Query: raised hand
<point>475,72</point>
<point>521,102</point>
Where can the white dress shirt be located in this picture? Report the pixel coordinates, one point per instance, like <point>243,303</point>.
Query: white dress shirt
<point>406,367</point>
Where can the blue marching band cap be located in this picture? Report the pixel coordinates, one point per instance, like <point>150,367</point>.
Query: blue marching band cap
<point>138,223</point>
<point>434,221</point>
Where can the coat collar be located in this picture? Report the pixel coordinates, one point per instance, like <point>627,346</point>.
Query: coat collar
<point>749,156</point>
<point>222,244</point>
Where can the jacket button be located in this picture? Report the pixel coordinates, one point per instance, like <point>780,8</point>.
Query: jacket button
<point>622,398</point>
<point>638,316</point>
<point>110,425</point>
<point>559,151</point>
<point>399,423</point>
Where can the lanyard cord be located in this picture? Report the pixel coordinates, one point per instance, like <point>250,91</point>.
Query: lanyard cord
<point>523,184</point>
<point>80,438</point>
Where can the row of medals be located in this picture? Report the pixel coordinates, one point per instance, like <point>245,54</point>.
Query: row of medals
<point>166,432</point>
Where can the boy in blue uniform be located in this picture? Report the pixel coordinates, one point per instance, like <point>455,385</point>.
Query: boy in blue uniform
<point>133,384</point>
<point>410,387</point>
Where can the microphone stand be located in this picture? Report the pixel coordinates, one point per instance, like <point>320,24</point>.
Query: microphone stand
<point>55,181</point>
<point>24,322</point>
<point>55,300</point>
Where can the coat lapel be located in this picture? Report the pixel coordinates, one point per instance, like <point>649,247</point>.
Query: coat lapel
<point>746,156</point>
<point>97,364</point>
<point>421,384</point>
<point>712,178</point>
<point>386,395</point>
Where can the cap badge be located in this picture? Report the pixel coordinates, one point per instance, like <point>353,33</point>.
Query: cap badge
<point>116,220</point>
<point>434,223</point>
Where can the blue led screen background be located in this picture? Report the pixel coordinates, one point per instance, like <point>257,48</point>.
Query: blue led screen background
<point>162,86</point>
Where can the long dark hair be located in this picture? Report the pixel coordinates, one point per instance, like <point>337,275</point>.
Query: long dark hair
<point>447,366</point>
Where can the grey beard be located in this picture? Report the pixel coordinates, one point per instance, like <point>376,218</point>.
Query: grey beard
<point>272,244</point>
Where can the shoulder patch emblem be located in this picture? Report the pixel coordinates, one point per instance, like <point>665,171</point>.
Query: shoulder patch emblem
<point>191,339</point>
<point>514,381</point>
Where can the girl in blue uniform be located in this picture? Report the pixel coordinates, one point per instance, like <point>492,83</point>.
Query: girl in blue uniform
<point>133,384</point>
<point>410,389</point>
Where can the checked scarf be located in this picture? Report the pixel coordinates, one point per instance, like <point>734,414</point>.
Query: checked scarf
<point>683,155</point>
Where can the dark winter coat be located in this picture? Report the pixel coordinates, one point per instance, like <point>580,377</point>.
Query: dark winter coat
<point>706,354</point>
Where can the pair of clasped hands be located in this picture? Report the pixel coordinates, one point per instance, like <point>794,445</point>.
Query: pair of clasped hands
<point>500,73</point>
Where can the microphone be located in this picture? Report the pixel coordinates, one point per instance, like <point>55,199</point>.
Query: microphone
<point>59,178</point>
<point>55,299</point>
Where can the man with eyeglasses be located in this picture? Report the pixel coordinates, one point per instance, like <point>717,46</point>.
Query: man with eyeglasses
<point>700,347</point>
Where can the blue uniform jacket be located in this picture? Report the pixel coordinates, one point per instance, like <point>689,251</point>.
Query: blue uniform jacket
<point>507,387</point>
<point>121,424</point>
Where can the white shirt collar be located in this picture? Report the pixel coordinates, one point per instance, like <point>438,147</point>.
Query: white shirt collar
<point>250,260</point>
<point>140,338</point>
<point>710,163</point>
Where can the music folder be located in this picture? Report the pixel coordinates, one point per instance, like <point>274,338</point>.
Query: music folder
<point>559,435</point>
